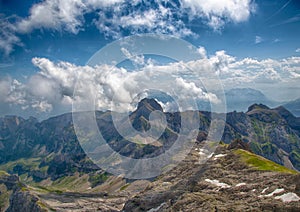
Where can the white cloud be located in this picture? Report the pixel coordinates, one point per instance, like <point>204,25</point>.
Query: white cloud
<point>298,50</point>
<point>114,17</point>
<point>54,84</point>
<point>202,51</point>
<point>258,39</point>
<point>4,88</point>
<point>96,4</point>
<point>158,19</point>
<point>8,39</point>
<point>42,106</point>
<point>218,12</point>
<point>54,14</point>
<point>136,59</point>
<point>189,90</point>
<point>52,87</point>
<point>61,14</point>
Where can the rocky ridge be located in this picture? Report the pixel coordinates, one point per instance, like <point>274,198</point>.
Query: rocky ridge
<point>224,183</point>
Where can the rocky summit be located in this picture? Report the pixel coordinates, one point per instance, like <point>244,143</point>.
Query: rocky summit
<point>254,168</point>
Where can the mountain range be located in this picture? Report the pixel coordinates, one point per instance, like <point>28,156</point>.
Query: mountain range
<point>239,99</point>
<point>43,164</point>
<point>294,107</point>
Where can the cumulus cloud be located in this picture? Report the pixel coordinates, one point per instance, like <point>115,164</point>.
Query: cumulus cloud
<point>269,71</point>
<point>52,87</point>
<point>109,86</point>
<point>218,13</point>
<point>114,18</point>
<point>297,50</point>
<point>54,14</point>
<point>61,14</point>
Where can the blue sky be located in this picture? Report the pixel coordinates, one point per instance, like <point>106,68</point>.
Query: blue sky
<point>258,41</point>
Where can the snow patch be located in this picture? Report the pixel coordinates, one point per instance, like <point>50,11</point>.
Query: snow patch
<point>217,183</point>
<point>202,151</point>
<point>210,155</point>
<point>240,184</point>
<point>205,152</point>
<point>157,208</point>
<point>264,191</point>
<point>219,156</point>
<point>288,197</point>
<point>276,191</point>
<point>166,184</point>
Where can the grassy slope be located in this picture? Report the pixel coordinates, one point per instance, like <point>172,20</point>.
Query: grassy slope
<point>28,164</point>
<point>261,163</point>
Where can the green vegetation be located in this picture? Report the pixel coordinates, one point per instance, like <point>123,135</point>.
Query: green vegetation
<point>261,131</point>
<point>41,204</point>
<point>48,189</point>
<point>256,147</point>
<point>69,182</point>
<point>139,143</point>
<point>74,183</point>
<point>98,179</point>
<point>269,148</point>
<point>24,164</point>
<point>257,127</point>
<point>24,188</point>
<point>295,157</point>
<point>293,139</point>
<point>3,173</point>
<point>124,187</point>
<point>261,163</point>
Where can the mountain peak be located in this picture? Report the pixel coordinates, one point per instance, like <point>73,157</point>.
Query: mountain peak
<point>141,115</point>
<point>150,104</point>
<point>258,106</point>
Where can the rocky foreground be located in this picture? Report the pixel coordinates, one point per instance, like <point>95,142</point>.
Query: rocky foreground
<point>233,179</point>
<point>227,182</point>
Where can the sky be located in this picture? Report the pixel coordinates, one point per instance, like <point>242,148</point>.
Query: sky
<point>45,46</point>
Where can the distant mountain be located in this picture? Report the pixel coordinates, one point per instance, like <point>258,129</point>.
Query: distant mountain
<point>294,107</point>
<point>238,99</point>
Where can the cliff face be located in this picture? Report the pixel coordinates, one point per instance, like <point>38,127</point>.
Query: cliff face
<point>15,197</point>
<point>24,201</point>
